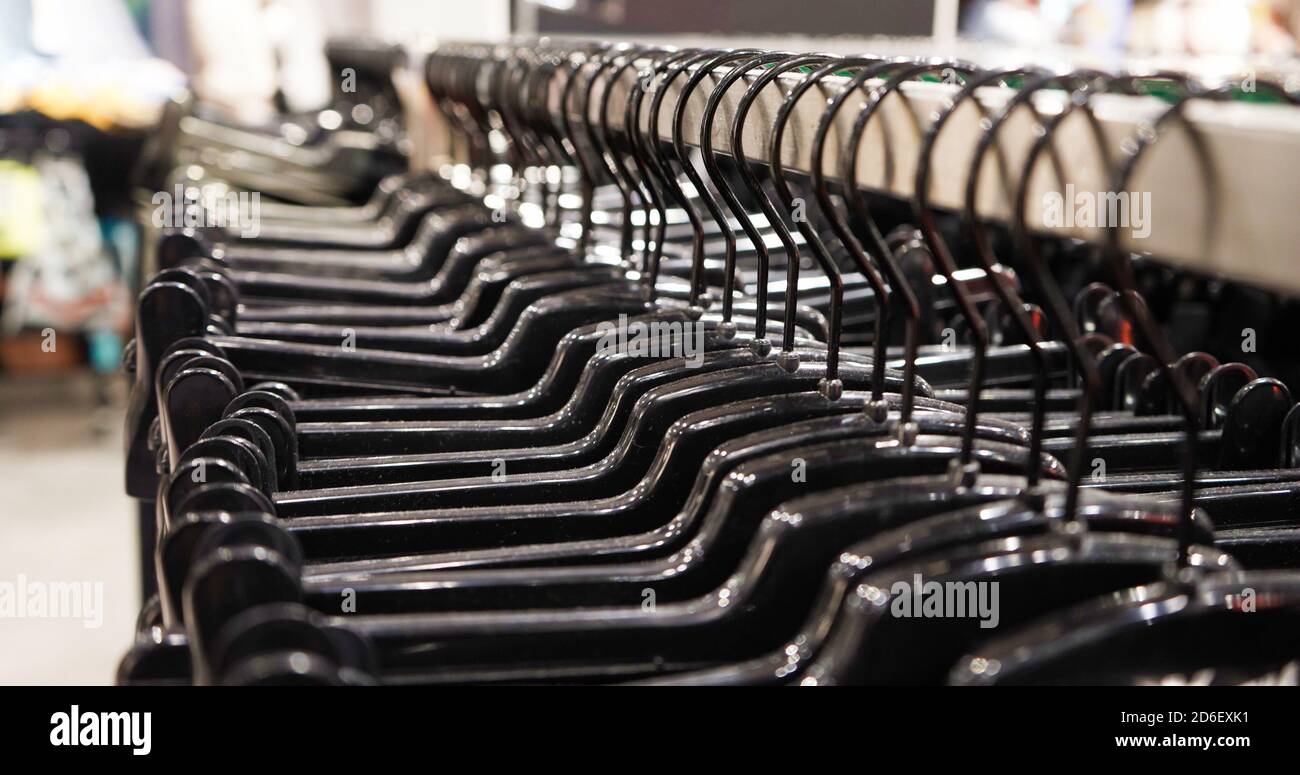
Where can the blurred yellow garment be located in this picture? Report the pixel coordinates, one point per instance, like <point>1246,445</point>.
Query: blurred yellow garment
<point>104,107</point>
<point>22,217</point>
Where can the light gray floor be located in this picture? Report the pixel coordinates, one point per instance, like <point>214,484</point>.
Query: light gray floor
<point>64,518</point>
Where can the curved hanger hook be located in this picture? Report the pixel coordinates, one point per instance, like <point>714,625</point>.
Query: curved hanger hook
<point>512,113</point>
<point>436,68</point>
<point>946,265</point>
<point>608,156</point>
<point>650,164</point>
<point>496,71</point>
<point>601,61</point>
<point>720,182</point>
<point>876,408</point>
<point>1121,260</point>
<point>653,233</point>
<point>787,359</point>
<point>440,76</point>
<point>569,62</point>
<point>1080,81</point>
<point>462,108</point>
<point>697,224</point>
<point>642,185</point>
<point>702,71</point>
<point>883,296</point>
<point>475,114</point>
<point>539,86</point>
<point>830,385</point>
<point>488,87</point>
<point>588,174</point>
<point>521,93</point>
<point>1007,295</point>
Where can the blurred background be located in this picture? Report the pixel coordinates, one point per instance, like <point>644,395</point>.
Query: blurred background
<point>82,83</point>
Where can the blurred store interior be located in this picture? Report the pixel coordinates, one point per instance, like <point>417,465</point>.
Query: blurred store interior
<point>83,83</point>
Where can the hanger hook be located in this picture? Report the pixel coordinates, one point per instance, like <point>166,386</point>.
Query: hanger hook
<point>550,134</point>
<point>646,166</point>
<point>894,82</point>
<point>587,173</point>
<point>1080,82</point>
<point>947,267</point>
<point>642,185</point>
<point>649,159</point>
<point>703,70</point>
<point>602,169</point>
<point>983,250</point>
<point>760,343</point>
<point>883,296</point>
<point>876,408</point>
<point>606,153</point>
<point>830,386</point>
<point>787,359</point>
<point>674,186</point>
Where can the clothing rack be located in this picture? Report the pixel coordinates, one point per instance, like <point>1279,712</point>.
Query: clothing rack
<point>410,439</point>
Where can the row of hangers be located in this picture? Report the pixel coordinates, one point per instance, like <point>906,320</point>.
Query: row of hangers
<point>321,157</point>
<point>389,442</point>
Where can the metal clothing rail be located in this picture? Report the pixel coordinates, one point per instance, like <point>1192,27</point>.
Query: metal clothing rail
<point>1249,232</point>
